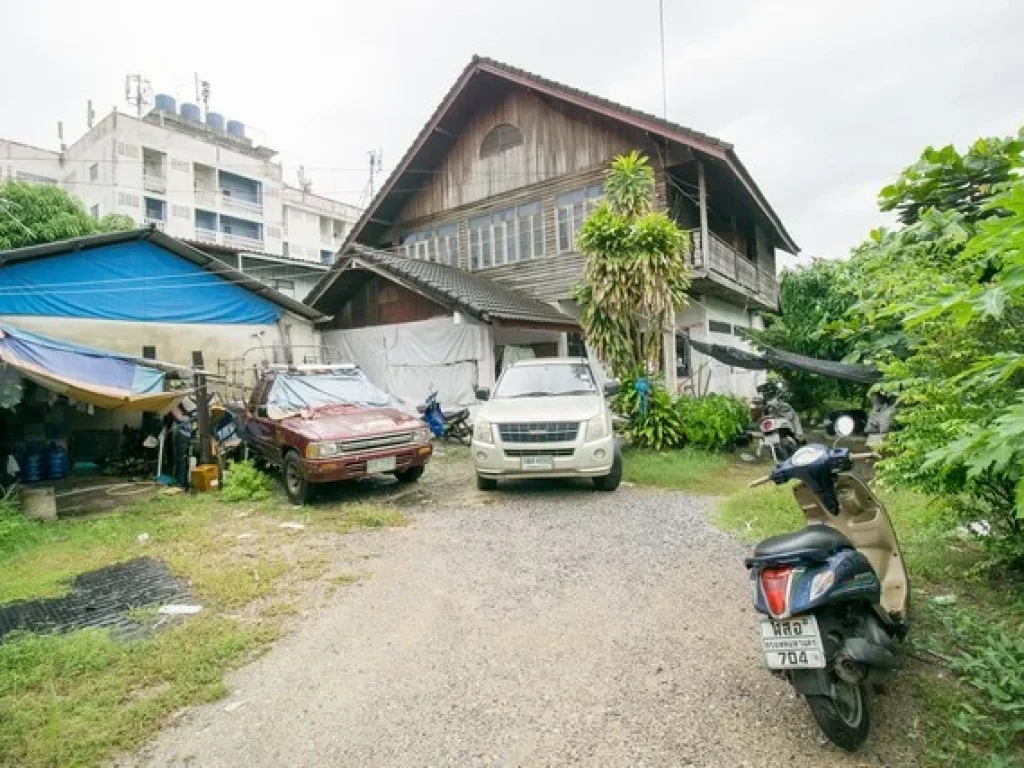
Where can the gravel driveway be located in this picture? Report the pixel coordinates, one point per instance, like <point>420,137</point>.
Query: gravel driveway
<point>542,625</point>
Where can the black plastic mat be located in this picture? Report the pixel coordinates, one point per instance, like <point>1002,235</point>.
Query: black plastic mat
<point>101,599</point>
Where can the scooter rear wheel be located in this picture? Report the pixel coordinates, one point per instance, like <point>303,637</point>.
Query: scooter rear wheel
<point>845,716</point>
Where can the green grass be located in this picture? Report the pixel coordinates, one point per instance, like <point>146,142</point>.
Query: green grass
<point>972,705</point>
<point>69,700</point>
<point>689,469</point>
<point>78,698</point>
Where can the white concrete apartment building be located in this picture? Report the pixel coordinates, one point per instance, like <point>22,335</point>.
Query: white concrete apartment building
<point>200,180</point>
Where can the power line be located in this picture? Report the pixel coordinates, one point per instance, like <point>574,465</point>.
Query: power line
<point>664,86</point>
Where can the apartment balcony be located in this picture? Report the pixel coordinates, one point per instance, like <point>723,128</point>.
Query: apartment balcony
<point>154,181</point>
<point>729,268</point>
<point>232,201</point>
<point>206,198</point>
<point>241,241</point>
<point>207,235</point>
<point>153,221</point>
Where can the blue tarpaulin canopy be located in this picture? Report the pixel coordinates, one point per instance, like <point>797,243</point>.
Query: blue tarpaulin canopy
<point>136,280</point>
<point>105,379</point>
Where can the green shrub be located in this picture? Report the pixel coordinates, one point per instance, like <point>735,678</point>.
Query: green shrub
<point>244,482</point>
<point>657,426</point>
<point>712,422</point>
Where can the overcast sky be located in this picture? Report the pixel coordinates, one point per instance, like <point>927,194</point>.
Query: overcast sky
<point>824,100</point>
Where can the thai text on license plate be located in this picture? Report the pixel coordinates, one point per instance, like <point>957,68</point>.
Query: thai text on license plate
<point>792,643</point>
<point>387,464</point>
<point>538,462</point>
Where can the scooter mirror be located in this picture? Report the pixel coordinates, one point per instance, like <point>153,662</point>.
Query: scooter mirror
<point>844,426</point>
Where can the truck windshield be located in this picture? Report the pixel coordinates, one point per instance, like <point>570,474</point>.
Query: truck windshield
<point>556,379</point>
<point>296,392</point>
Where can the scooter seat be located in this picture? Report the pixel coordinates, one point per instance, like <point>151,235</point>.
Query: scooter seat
<point>815,542</point>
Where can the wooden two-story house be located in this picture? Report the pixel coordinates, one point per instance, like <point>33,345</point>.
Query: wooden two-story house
<point>483,211</point>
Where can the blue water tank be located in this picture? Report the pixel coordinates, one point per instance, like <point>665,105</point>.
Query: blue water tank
<point>236,128</point>
<point>57,462</point>
<point>215,120</point>
<point>191,112</point>
<point>166,103</point>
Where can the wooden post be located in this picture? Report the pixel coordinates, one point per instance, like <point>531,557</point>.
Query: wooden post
<point>702,192</point>
<point>202,409</point>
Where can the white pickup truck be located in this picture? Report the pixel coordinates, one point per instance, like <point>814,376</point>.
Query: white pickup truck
<point>546,418</point>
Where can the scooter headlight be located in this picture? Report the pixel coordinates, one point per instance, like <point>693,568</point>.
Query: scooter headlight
<point>482,432</point>
<point>808,454</point>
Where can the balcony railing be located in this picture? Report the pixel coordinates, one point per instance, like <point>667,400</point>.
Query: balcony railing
<point>725,261</point>
<point>154,181</point>
<point>241,241</point>
<point>232,201</point>
<point>206,197</point>
<point>155,222</point>
<point>206,235</point>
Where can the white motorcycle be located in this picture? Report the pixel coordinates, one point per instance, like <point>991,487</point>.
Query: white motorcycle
<point>781,431</point>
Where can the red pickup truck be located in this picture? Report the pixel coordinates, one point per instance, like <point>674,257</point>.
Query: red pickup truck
<point>324,424</point>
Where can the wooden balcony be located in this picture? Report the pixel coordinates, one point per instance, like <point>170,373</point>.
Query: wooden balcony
<point>730,269</point>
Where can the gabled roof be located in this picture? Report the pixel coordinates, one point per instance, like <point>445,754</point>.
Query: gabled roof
<point>476,296</point>
<point>434,140</point>
<point>172,244</point>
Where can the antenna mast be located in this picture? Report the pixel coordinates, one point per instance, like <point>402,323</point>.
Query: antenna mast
<point>664,85</point>
<point>203,94</point>
<point>376,163</point>
<point>137,92</point>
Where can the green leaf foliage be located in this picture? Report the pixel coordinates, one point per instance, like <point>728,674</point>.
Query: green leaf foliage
<point>34,214</point>
<point>636,273</point>
<point>244,482</point>
<point>712,422</point>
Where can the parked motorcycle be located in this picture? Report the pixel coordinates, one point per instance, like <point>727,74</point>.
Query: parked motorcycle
<point>453,427</point>
<point>834,595</point>
<point>781,430</point>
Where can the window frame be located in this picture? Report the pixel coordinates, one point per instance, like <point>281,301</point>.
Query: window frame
<point>572,208</point>
<point>502,231</point>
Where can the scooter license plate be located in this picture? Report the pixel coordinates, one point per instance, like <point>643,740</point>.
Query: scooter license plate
<point>772,438</point>
<point>792,643</point>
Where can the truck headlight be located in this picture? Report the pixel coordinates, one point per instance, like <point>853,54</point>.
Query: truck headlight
<point>597,428</point>
<point>321,450</point>
<point>421,436</point>
<point>482,432</point>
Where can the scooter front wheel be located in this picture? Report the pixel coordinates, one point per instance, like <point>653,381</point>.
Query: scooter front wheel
<point>845,715</point>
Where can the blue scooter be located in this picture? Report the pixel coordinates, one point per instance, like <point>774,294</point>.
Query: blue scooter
<point>453,427</point>
<point>833,595</point>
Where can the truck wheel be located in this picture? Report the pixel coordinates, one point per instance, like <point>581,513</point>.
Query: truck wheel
<point>611,481</point>
<point>299,489</point>
<point>486,483</point>
<point>410,475</point>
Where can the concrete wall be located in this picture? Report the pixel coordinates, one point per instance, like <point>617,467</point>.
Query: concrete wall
<point>22,161</point>
<point>708,374</point>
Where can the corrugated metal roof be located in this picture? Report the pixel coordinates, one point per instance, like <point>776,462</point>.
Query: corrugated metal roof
<point>468,292</point>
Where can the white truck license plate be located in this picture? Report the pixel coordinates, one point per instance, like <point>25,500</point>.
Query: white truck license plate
<point>387,464</point>
<point>792,643</point>
<point>538,463</point>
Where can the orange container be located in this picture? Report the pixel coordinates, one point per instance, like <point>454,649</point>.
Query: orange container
<point>204,477</point>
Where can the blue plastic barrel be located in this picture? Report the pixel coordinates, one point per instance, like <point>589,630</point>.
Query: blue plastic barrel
<point>58,463</point>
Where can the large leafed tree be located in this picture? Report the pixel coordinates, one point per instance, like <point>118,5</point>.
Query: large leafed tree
<point>33,214</point>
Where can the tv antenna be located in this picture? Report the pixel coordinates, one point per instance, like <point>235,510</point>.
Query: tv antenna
<point>376,164</point>
<point>305,183</point>
<point>138,92</point>
<point>203,93</point>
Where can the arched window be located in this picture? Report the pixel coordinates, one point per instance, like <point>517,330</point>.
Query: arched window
<point>501,138</point>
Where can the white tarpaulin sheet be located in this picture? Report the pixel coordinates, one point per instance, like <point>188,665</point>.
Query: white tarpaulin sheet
<point>409,359</point>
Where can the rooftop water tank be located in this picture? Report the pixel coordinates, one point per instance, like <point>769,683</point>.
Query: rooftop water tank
<point>191,112</point>
<point>165,103</point>
<point>236,128</point>
<point>215,120</point>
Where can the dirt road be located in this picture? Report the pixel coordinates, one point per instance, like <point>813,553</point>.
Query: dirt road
<point>550,626</point>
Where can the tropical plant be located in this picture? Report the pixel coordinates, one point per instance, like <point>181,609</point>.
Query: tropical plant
<point>650,410</point>
<point>244,482</point>
<point>636,273</point>
<point>712,422</point>
<point>32,214</point>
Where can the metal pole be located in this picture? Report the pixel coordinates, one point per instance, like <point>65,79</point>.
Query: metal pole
<point>202,410</point>
<point>664,81</point>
